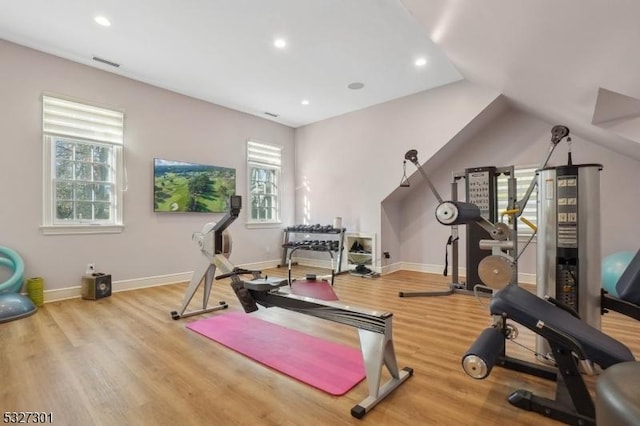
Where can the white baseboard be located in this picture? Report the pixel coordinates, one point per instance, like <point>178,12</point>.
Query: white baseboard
<point>387,269</point>
<point>258,266</point>
<point>523,278</point>
<point>138,283</point>
<point>527,278</point>
<point>117,286</point>
<point>325,264</point>
<point>426,268</point>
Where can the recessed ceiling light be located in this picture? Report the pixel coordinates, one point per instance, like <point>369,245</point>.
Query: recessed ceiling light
<point>305,102</point>
<point>356,85</point>
<point>421,62</point>
<point>280,43</point>
<point>101,20</point>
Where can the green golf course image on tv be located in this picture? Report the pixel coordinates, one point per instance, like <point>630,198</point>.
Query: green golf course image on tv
<point>189,187</point>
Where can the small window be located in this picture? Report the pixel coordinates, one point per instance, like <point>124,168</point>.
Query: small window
<point>83,158</point>
<point>264,162</point>
<point>523,176</point>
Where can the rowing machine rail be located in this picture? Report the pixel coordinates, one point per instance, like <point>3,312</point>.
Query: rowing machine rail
<point>374,331</point>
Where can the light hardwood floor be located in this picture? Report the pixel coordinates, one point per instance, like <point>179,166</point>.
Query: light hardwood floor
<point>123,361</point>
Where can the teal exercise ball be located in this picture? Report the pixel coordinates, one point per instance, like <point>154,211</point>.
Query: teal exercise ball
<point>612,268</point>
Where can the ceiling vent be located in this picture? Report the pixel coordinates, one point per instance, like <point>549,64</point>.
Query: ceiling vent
<point>270,114</point>
<point>104,61</point>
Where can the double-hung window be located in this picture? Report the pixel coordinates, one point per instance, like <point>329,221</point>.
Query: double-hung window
<point>264,166</point>
<point>82,167</point>
<point>523,176</point>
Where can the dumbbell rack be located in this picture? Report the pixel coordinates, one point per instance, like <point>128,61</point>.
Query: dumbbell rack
<point>335,244</point>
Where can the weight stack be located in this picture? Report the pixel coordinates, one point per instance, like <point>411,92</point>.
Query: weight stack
<point>96,286</point>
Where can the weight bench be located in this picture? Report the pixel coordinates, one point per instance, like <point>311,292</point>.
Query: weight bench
<point>574,345</point>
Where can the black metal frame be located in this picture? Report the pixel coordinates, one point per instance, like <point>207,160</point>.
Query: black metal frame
<point>622,306</point>
<point>573,403</point>
<point>310,247</point>
<point>520,365</point>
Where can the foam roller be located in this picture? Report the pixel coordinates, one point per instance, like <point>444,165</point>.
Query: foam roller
<point>457,213</point>
<point>483,354</point>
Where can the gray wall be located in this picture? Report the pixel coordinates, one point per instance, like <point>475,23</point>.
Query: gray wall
<point>159,123</point>
<point>345,166</point>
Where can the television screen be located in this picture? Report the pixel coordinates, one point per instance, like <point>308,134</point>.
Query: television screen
<point>190,187</point>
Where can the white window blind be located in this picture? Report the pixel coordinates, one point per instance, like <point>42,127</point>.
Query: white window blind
<point>75,120</point>
<point>263,154</point>
<point>523,180</point>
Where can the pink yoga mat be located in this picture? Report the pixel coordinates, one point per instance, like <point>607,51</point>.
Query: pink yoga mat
<point>316,289</point>
<point>328,366</point>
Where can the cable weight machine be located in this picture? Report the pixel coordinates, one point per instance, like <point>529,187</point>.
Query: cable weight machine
<point>492,239</point>
<point>491,244</point>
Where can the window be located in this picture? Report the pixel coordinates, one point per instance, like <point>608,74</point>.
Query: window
<point>83,165</point>
<point>523,180</point>
<point>264,162</point>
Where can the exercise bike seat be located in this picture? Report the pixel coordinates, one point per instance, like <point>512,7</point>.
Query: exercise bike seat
<point>527,309</point>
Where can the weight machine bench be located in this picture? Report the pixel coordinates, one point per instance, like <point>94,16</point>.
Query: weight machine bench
<point>574,344</point>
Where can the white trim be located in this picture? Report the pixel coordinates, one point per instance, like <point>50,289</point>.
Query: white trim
<point>137,283</point>
<point>118,286</point>
<point>325,264</point>
<point>58,294</point>
<point>523,278</point>
<point>256,225</point>
<point>266,264</point>
<point>429,269</point>
<point>526,278</point>
<point>394,267</point>
<point>81,229</point>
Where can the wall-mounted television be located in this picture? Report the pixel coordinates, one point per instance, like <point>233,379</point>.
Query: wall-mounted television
<point>179,186</point>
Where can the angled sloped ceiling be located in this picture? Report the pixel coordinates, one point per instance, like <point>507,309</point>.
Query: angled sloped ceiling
<point>618,113</point>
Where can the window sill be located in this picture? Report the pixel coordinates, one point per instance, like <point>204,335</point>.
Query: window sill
<point>81,229</point>
<point>258,225</point>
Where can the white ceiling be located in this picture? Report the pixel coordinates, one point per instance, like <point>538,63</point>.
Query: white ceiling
<point>222,50</point>
<point>549,57</point>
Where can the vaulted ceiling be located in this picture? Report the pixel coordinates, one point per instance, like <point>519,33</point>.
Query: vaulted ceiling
<point>572,61</point>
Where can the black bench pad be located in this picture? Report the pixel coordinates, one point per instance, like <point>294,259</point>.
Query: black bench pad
<point>527,309</point>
